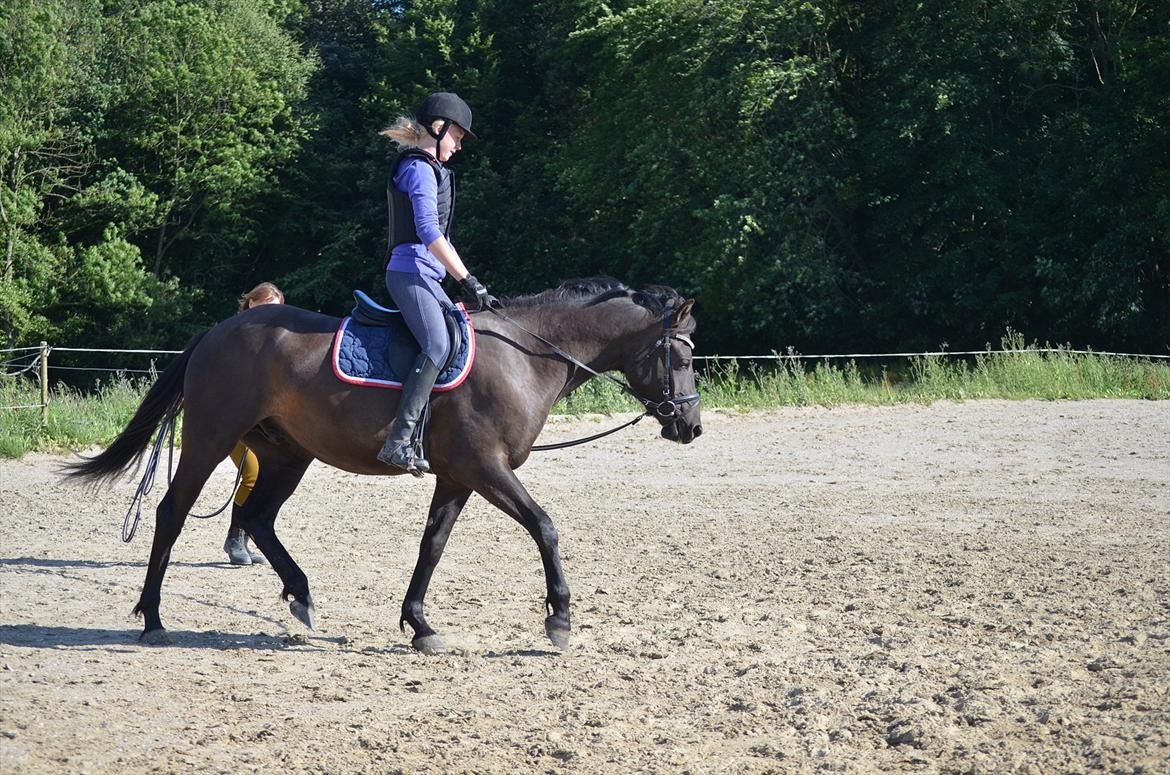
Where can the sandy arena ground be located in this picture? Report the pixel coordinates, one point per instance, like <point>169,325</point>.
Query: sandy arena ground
<point>978,587</point>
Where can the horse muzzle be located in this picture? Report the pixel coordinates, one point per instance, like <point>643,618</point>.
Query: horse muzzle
<point>681,425</point>
<point>681,431</point>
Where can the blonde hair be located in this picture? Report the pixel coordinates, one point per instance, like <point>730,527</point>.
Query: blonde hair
<point>264,293</point>
<point>408,132</point>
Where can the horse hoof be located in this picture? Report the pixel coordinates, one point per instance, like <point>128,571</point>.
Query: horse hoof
<point>157,637</point>
<point>304,613</point>
<point>430,644</point>
<point>557,632</point>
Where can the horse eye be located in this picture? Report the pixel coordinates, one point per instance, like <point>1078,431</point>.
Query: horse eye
<point>685,363</point>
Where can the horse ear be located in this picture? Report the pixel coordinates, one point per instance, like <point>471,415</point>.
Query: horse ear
<point>683,312</point>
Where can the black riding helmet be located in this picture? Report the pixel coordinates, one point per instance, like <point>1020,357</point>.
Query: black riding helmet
<point>450,109</point>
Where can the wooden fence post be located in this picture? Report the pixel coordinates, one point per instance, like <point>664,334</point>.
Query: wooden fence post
<point>44,383</point>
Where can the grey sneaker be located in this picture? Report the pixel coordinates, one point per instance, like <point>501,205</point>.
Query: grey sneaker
<point>236,547</point>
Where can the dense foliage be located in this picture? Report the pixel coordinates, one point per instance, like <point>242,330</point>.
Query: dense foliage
<point>818,173</point>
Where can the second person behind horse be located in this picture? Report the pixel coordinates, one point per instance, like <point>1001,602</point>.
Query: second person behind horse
<point>236,545</point>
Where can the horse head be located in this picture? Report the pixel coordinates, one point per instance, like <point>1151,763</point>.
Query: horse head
<point>661,369</point>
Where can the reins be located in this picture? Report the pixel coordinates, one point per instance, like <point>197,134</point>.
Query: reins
<point>587,439</point>
<point>668,407</point>
<point>166,430</point>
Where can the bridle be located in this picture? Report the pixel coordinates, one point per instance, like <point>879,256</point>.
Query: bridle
<point>671,405</point>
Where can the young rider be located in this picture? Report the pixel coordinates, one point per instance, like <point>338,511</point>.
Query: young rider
<point>421,200</point>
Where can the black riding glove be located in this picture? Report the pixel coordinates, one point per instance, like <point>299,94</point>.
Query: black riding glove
<point>475,292</point>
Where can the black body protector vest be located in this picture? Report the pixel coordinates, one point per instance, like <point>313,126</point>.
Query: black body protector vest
<point>400,210</point>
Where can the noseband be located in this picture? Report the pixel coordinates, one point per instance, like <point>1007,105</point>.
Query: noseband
<point>671,405</point>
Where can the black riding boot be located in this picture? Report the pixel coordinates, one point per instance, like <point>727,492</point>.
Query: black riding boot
<point>416,391</point>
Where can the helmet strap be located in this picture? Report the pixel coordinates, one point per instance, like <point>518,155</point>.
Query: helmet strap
<point>438,135</point>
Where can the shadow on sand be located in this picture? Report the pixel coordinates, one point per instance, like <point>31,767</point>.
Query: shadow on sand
<point>83,638</point>
<point>48,562</point>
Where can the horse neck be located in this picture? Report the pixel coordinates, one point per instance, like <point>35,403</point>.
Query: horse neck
<point>598,335</point>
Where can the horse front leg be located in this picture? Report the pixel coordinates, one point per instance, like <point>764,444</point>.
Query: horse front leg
<point>504,491</point>
<point>446,504</point>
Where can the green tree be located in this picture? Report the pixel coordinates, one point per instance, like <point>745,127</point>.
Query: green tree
<point>707,158</point>
<point>42,155</point>
<point>1010,164</point>
<point>205,110</point>
<point>324,220</point>
<point>819,173</point>
<point>378,61</point>
<point>1100,220</point>
<point>517,224</point>
<point>128,127</point>
<point>54,287</point>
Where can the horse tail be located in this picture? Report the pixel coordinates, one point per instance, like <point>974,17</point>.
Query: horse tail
<point>164,399</point>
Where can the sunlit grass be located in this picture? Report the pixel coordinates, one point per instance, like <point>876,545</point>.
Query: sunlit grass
<point>77,420</point>
<point>1018,372</point>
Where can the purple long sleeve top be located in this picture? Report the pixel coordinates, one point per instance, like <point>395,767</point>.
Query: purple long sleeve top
<point>416,179</point>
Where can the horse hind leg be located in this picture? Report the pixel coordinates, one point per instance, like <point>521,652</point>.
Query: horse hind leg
<point>195,467</point>
<point>278,479</point>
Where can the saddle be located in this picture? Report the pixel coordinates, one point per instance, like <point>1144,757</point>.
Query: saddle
<point>374,347</point>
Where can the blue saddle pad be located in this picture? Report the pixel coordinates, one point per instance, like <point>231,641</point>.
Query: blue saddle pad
<point>381,356</point>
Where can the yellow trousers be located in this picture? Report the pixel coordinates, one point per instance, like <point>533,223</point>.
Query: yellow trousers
<point>246,461</point>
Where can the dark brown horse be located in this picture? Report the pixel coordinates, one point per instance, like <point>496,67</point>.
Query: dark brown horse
<point>264,376</point>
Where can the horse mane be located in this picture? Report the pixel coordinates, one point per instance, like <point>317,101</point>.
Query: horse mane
<point>595,290</point>
<point>584,289</point>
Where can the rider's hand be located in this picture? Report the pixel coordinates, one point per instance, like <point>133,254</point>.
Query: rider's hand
<point>476,292</point>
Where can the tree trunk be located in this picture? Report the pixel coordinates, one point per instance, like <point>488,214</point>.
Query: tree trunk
<point>160,246</point>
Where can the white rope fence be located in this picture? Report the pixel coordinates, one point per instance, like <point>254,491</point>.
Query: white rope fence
<point>104,350</point>
<point>851,356</point>
<point>26,359</point>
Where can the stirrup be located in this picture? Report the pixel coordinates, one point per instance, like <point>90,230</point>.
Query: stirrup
<point>404,457</point>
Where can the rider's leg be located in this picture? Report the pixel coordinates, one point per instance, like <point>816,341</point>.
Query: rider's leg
<point>422,303</point>
<point>416,391</point>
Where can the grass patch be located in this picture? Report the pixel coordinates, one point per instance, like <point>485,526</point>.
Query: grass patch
<point>1018,372</point>
<point>77,419</point>
<point>82,419</point>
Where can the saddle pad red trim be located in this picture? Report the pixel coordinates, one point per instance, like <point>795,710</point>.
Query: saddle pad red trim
<point>440,387</point>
